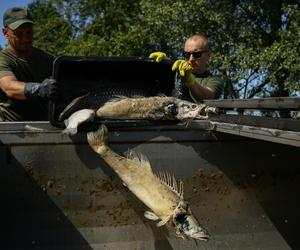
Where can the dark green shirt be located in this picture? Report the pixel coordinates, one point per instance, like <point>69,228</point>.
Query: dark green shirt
<point>35,69</point>
<point>216,83</point>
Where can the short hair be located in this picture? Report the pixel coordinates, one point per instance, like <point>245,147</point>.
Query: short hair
<point>200,37</point>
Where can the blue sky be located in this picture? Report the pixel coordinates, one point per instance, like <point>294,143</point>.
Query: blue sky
<point>5,4</point>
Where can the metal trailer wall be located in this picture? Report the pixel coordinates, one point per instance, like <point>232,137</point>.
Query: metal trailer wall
<point>56,193</point>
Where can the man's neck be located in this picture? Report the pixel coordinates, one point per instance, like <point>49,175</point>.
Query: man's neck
<point>201,73</point>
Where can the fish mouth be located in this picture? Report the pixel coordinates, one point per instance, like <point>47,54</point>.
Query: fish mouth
<point>204,238</point>
<point>190,227</point>
<point>201,235</point>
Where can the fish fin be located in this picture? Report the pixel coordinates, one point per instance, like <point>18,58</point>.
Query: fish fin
<point>116,98</point>
<point>137,96</point>
<point>74,120</point>
<point>70,131</point>
<point>161,95</point>
<point>150,215</point>
<point>139,158</point>
<point>71,106</point>
<point>186,122</point>
<point>97,139</point>
<point>171,182</point>
<point>163,221</point>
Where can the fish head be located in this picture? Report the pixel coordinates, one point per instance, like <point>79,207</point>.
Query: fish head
<point>187,226</point>
<point>187,110</point>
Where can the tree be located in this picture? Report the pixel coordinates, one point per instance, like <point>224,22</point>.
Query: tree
<point>255,43</point>
<point>52,31</point>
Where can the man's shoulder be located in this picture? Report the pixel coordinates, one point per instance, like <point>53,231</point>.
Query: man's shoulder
<point>210,77</point>
<point>217,78</point>
<point>7,60</point>
<point>6,54</point>
<point>41,53</point>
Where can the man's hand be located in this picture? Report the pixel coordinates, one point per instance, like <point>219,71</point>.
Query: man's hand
<point>46,89</point>
<point>185,71</point>
<point>158,56</point>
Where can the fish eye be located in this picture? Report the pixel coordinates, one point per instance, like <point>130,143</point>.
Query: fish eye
<point>194,106</point>
<point>181,218</point>
<point>174,109</point>
<point>183,222</point>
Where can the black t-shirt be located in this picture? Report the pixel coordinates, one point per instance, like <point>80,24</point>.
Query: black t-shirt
<point>206,79</point>
<point>35,69</point>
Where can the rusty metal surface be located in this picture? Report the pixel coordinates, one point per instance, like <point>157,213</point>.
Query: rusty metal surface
<point>58,194</point>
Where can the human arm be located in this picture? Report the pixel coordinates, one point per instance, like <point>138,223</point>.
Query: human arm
<point>198,90</point>
<point>212,82</point>
<point>12,87</point>
<point>201,92</point>
<point>23,90</point>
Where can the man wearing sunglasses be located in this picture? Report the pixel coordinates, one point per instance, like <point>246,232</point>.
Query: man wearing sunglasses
<point>24,86</point>
<point>199,83</point>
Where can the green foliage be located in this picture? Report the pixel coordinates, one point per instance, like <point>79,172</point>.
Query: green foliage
<point>52,31</point>
<point>255,43</point>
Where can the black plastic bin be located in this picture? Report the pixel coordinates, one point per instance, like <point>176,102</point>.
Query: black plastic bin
<point>77,76</point>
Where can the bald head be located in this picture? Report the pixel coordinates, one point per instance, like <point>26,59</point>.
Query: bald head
<point>199,41</point>
<point>197,53</point>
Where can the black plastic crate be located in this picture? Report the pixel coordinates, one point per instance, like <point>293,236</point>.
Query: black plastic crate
<point>78,76</point>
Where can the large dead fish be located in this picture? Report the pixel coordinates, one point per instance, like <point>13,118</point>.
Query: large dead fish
<point>152,108</point>
<point>96,97</point>
<point>161,193</point>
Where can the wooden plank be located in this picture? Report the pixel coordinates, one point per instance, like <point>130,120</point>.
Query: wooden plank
<point>292,103</point>
<point>259,121</point>
<point>273,135</point>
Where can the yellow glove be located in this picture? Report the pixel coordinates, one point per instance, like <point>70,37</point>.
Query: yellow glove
<point>158,56</point>
<point>185,71</point>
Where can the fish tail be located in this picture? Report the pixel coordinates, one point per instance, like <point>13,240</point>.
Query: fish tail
<point>98,139</point>
<point>72,107</point>
<point>70,131</point>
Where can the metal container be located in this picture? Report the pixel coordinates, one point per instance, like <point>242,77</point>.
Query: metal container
<point>56,193</point>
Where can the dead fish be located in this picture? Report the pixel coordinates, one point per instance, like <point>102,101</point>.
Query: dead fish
<point>97,97</point>
<point>152,108</point>
<point>161,193</point>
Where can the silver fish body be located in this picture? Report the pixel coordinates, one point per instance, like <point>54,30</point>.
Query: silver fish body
<point>161,193</point>
<point>151,108</point>
<point>154,108</point>
<point>97,97</point>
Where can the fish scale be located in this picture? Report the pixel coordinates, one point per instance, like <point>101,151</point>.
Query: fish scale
<point>97,97</point>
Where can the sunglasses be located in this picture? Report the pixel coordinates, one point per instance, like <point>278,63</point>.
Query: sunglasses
<point>196,54</point>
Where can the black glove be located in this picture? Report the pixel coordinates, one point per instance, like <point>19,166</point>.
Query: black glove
<point>45,89</point>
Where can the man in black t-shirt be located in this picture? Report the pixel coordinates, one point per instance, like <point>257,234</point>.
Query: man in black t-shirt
<point>24,71</point>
